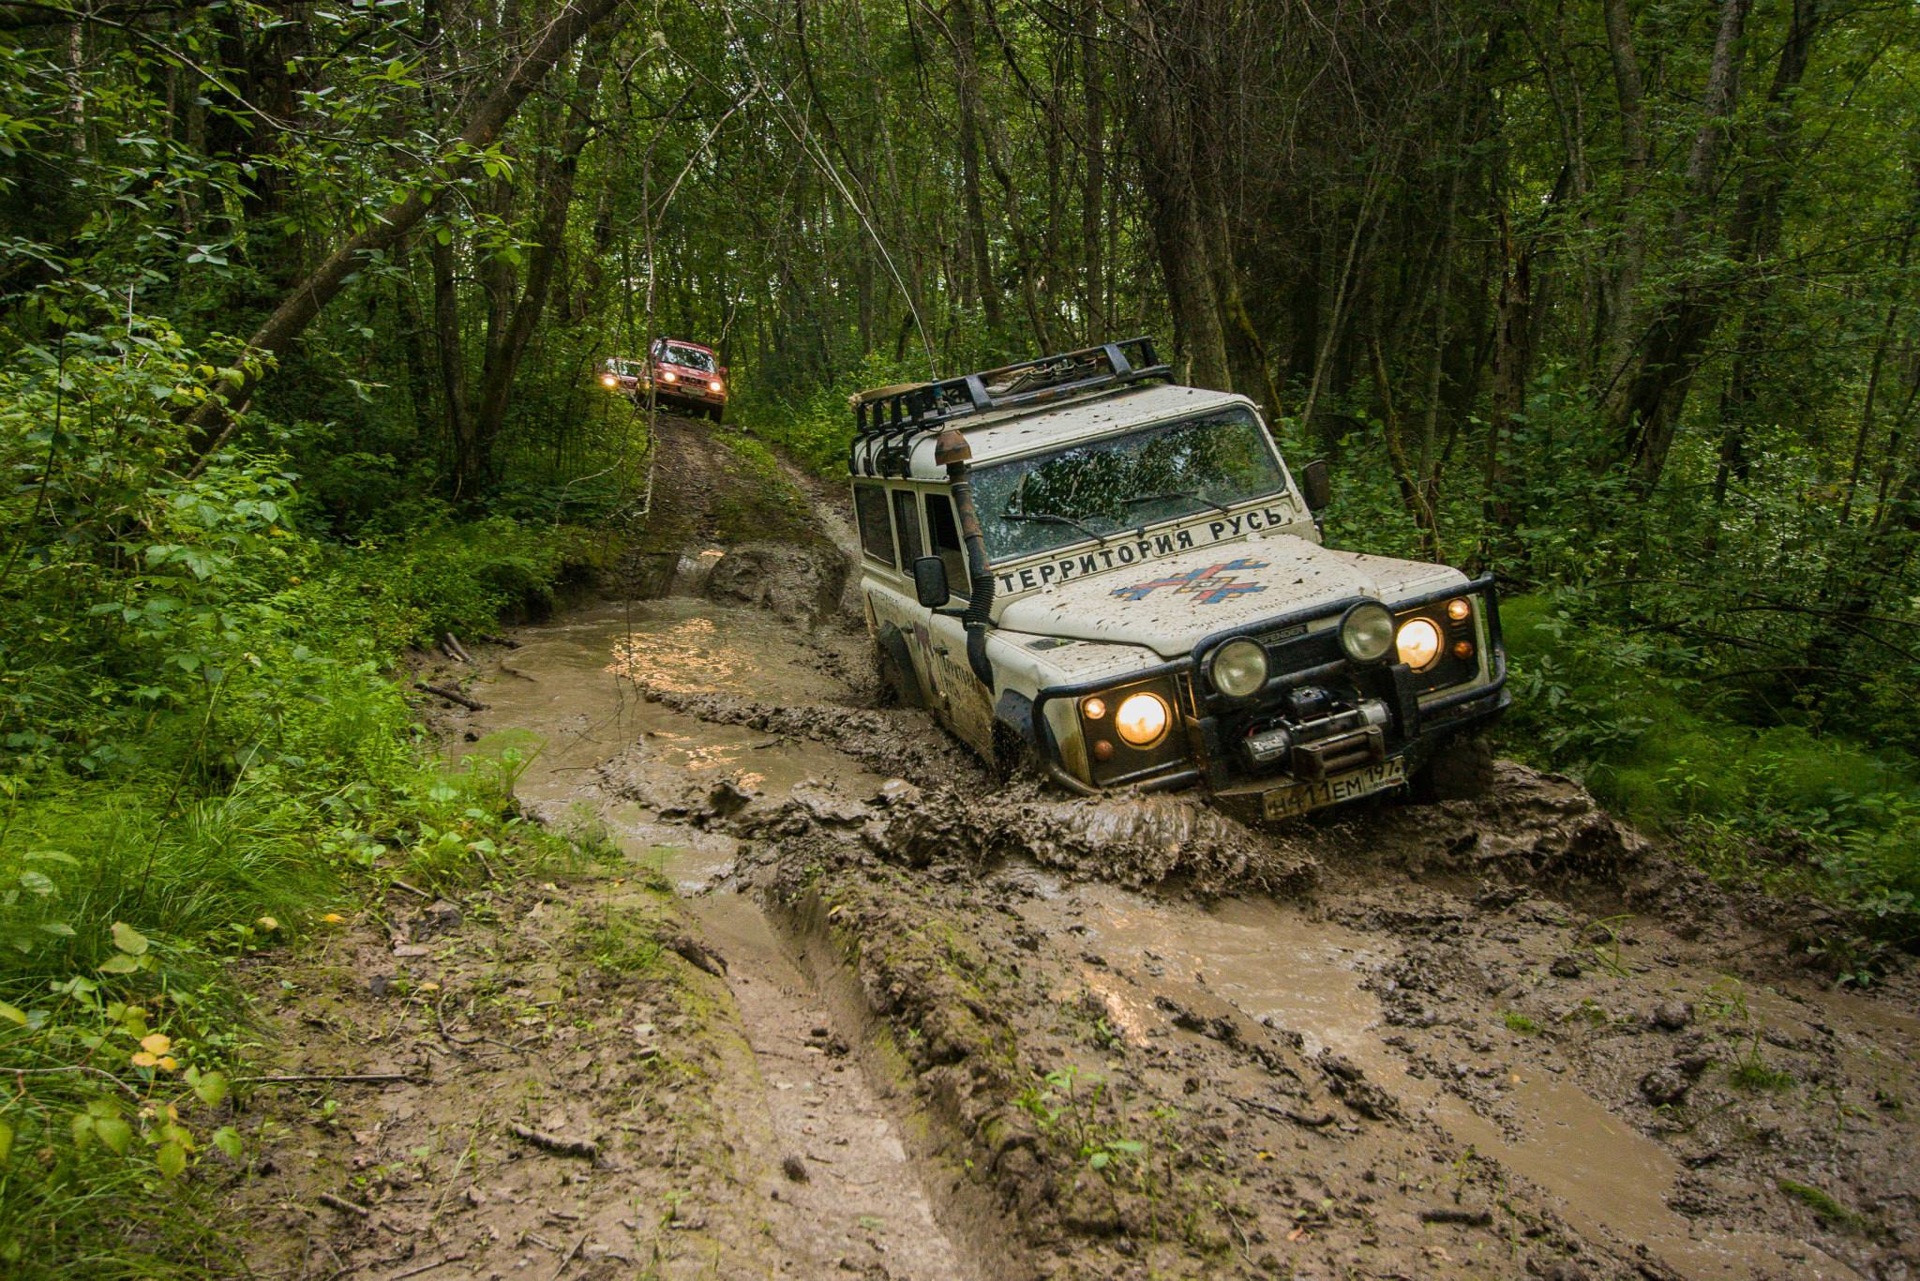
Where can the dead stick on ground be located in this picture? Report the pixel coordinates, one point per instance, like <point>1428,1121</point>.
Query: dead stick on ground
<point>568,1258</point>
<point>413,889</point>
<point>427,1267</point>
<point>343,1205</point>
<point>555,1144</point>
<point>459,651</point>
<point>452,696</point>
<point>301,1078</point>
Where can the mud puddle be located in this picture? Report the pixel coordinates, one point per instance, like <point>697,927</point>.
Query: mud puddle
<point>849,1198</point>
<point>1287,969</point>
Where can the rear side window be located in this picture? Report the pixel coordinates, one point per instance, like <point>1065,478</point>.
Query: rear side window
<point>876,531</point>
<point>946,542</point>
<point>906,523</point>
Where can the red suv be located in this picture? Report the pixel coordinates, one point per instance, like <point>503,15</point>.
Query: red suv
<point>685,376</point>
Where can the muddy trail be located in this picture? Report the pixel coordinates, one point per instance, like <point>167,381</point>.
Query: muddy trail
<point>822,998</point>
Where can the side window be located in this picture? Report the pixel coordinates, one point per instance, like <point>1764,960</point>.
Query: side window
<point>906,522</point>
<point>946,541</point>
<point>876,531</point>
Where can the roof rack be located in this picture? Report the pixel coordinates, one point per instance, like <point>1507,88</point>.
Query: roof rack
<point>889,419</point>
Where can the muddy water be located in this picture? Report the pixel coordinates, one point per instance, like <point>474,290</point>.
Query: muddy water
<point>1279,965</point>
<point>566,702</point>
<point>845,1198</point>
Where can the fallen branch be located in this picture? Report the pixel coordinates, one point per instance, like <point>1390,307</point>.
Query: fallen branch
<point>451,644</point>
<point>343,1205</point>
<point>428,1267</point>
<point>1313,1122</point>
<point>555,1144</point>
<point>302,1078</point>
<point>451,695</point>
<point>1456,1214</point>
<point>568,1257</point>
<point>413,889</point>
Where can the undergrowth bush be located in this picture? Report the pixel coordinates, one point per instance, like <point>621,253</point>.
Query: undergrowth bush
<point>1777,805</point>
<point>205,757</point>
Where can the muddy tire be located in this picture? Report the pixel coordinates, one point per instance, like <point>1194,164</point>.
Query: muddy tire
<point>1461,770</point>
<point>899,687</point>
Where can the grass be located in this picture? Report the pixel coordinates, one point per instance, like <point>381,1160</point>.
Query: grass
<point>1518,1022</point>
<point>1821,1203</point>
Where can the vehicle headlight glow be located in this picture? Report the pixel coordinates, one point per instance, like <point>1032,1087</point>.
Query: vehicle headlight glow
<point>1238,668</point>
<point>1141,719</point>
<point>609,381</point>
<point>1419,643</point>
<point>668,376</point>
<point>1366,633</point>
<point>714,385</point>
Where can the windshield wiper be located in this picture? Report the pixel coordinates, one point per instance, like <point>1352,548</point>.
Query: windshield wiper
<point>1052,518</point>
<point>1189,494</point>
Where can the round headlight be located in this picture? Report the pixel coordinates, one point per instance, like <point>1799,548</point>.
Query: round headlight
<point>1419,643</point>
<point>1239,668</point>
<point>1141,719</point>
<point>608,380</point>
<point>668,376</point>
<point>1366,633</point>
<point>714,385</point>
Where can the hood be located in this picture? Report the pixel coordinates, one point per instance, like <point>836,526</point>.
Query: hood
<point>1169,603</point>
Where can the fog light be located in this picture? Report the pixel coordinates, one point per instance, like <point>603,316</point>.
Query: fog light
<point>1419,643</point>
<point>1141,720</point>
<point>1094,708</point>
<point>1463,649</point>
<point>1366,633</point>
<point>1460,609</point>
<point>1238,668</point>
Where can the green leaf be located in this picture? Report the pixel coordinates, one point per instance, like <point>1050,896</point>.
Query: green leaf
<point>115,1133</point>
<point>121,964</point>
<point>6,1141</point>
<point>211,1087</point>
<point>13,1014</point>
<point>82,1130</point>
<point>172,1160</point>
<point>128,939</point>
<point>226,1138</point>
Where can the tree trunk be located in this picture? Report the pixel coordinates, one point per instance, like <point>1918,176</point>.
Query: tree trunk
<point>392,225</point>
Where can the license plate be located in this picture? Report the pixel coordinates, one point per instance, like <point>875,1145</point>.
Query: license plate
<point>1298,798</point>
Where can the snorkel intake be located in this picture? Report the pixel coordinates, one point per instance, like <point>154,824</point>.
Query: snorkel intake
<point>951,451</point>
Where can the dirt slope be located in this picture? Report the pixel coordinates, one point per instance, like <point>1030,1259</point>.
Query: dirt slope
<point>834,1003</point>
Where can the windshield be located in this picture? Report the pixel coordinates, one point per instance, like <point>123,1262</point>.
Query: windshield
<point>687,357</point>
<point>1124,483</point>
<point>625,368</point>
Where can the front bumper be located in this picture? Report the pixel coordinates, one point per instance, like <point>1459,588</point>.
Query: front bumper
<point>1380,725</point>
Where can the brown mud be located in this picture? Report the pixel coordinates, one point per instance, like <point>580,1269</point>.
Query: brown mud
<point>834,1001</point>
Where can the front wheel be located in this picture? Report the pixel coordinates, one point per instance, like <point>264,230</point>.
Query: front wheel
<point>1461,769</point>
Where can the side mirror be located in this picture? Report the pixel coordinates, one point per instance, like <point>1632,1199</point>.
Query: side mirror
<point>930,582</point>
<point>1315,485</point>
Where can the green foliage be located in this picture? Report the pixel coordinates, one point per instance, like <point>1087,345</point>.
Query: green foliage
<point>204,753</point>
<point>816,427</point>
<point>1778,804</point>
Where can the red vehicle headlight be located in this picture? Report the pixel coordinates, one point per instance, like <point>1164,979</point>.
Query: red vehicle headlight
<point>715,385</point>
<point>668,376</point>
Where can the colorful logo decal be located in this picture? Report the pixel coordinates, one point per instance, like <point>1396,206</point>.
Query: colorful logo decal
<point>1207,586</point>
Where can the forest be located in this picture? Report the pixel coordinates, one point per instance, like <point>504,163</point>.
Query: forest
<point>302,308</point>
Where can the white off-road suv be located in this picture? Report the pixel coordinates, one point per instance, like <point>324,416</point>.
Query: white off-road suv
<point>1077,562</point>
